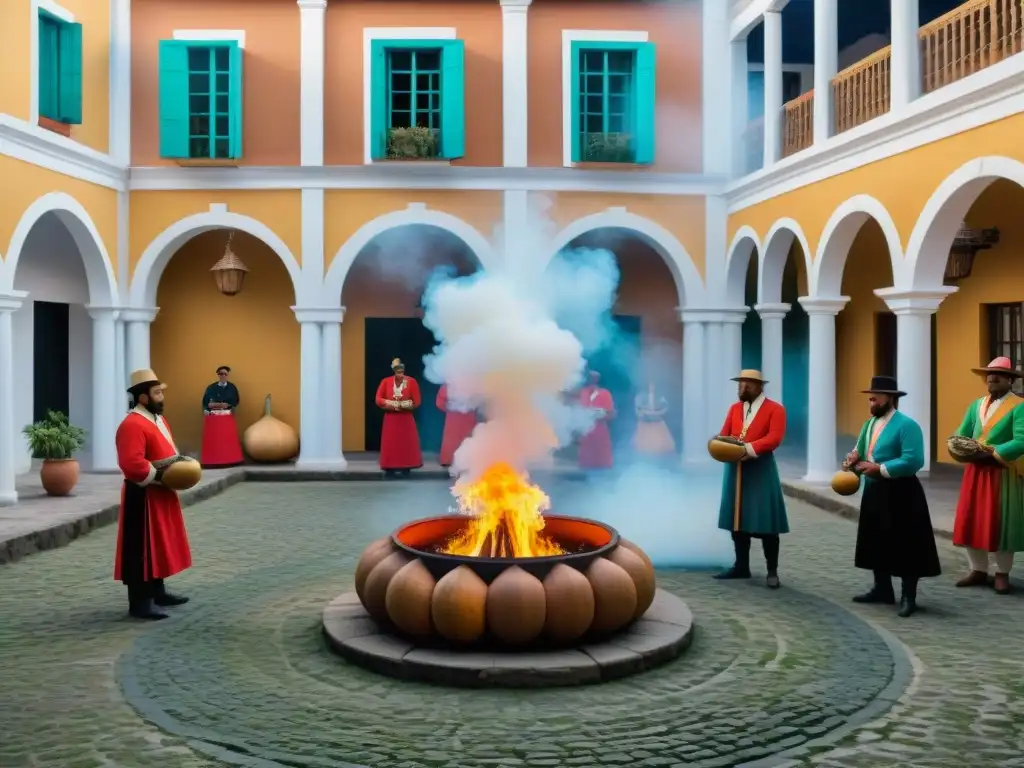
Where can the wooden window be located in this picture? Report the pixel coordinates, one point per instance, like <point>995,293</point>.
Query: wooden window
<point>613,93</point>
<point>60,69</point>
<point>200,100</point>
<point>1006,335</point>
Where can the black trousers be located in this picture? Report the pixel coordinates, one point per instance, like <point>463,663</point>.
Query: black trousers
<point>883,584</point>
<point>769,543</point>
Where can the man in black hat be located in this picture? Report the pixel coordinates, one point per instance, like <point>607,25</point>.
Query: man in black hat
<point>894,532</point>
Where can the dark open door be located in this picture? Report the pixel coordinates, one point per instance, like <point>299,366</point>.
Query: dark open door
<point>50,366</point>
<point>408,339</point>
<point>885,344</point>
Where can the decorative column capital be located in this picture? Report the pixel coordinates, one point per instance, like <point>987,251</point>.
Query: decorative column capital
<point>312,5</point>
<point>915,302</point>
<point>138,314</point>
<point>515,6</point>
<point>319,314</point>
<point>12,301</point>
<point>713,314</point>
<point>772,311</point>
<point>823,305</point>
<point>103,313</point>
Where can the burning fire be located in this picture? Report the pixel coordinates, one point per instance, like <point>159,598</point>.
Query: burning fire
<point>507,517</point>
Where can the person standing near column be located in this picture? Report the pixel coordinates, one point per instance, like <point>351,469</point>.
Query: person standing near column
<point>990,511</point>
<point>458,425</point>
<point>399,395</point>
<point>595,447</point>
<point>894,531</point>
<point>152,544</point>
<point>752,503</point>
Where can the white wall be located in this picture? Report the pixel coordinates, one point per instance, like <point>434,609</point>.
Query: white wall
<point>50,268</point>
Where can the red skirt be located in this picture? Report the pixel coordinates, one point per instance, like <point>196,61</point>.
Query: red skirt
<point>221,446</point>
<point>400,442</point>
<point>978,522</point>
<point>457,427</point>
<point>595,448</point>
<point>151,538</point>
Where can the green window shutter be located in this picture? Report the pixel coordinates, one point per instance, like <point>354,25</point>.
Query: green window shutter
<point>173,99</point>
<point>69,105</point>
<point>575,108</point>
<point>48,67</point>
<point>378,100</point>
<point>644,104</point>
<point>235,111</point>
<point>453,100</point>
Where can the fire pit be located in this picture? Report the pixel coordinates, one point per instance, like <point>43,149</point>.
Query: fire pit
<point>505,585</point>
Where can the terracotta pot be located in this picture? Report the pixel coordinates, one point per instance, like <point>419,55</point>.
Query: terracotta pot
<point>59,476</point>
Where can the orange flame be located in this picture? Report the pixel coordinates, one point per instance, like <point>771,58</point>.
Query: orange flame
<point>507,516</point>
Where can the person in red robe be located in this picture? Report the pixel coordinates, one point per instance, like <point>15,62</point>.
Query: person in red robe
<point>595,447</point>
<point>152,544</point>
<point>458,425</point>
<point>221,446</point>
<point>399,395</point>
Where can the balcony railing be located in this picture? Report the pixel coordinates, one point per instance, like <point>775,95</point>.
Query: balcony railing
<point>966,40</point>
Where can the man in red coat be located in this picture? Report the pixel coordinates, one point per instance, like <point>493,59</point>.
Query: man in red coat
<point>458,425</point>
<point>595,447</point>
<point>152,544</point>
<point>399,395</point>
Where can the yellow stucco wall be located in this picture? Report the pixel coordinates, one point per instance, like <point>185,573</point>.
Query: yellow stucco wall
<point>95,20</point>
<point>14,57</point>
<point>23,184</point>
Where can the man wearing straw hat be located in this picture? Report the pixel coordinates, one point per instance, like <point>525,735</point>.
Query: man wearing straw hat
<point>990,511</point>
<point>152,544</point>
<point>399,395</point>
<point>752,501</point>
<point>894,531</point>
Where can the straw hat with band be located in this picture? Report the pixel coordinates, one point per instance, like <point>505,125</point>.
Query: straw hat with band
<point>749,374</point>
<point>397,365</point>
<point>1000,366</point>
<point>143,379</point>
<point>884,385</point>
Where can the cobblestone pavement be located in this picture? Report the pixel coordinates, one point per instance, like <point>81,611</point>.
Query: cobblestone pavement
<point>241,676</point>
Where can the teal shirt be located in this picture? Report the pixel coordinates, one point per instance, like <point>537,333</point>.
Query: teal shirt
<point>215,393</point>
<point>1006,436</point>
<point>899,449</point>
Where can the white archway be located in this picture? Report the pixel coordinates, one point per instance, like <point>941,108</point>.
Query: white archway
<point>98,270</point>
<point>929,244</point>
<point>414,214</point>
<point>826,279</point>
<point>777,245</point>
<point>689,285</point>
<point>745,243</point>
<point>158,253</point>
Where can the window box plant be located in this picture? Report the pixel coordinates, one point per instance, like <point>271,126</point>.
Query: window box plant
<point>415,143</point>
<point>608,148</point>
<point>55,440</point>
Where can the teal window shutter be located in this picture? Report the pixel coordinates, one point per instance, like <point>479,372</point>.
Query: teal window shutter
<point>235,101</point>
<point>49,67</point>
<point>644,104</point>
<point>453,100</point>
<point>173,98</point>
<point>378,100</point>
<point>575,106</point>
<point>69,105</point>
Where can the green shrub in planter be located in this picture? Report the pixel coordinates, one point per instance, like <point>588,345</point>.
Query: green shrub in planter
<point>414,143</point>
<point>54,437</point>
<point>608,148</point>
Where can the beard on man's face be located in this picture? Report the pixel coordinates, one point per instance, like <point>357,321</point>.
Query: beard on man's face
<point>155,408</point>
<point>880,409</point>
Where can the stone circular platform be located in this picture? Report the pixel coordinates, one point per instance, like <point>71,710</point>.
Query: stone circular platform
<point>660,635</point>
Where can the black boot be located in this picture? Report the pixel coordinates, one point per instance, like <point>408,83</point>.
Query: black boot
<point>163,598</point>
<point>741,569</point>
<point>882,592</point>
<point>908,599</point>
<point>140,603</point>
<point>770,545</point>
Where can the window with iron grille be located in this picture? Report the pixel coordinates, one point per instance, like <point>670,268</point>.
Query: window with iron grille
<point>1006,335</point>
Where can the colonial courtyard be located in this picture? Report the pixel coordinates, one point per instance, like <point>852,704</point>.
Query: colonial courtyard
<point>242,676</point>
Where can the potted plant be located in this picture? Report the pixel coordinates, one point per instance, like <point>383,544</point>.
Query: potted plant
<point>414,143</point>
<point>608,148</point>
<point>55,440</point>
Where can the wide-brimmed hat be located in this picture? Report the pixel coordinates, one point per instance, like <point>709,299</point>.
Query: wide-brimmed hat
<point>396,364</point>
<point>884,385</point>
<point>144,377</point>
<point>749,374</point>
<point>1001,366</point>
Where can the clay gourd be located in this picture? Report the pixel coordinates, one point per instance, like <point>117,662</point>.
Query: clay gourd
<point>270,440</point>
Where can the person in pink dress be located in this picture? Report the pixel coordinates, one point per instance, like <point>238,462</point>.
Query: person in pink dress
<point>595,447</point>
<point>458,425</point>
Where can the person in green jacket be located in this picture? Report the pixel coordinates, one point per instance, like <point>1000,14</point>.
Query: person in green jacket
<point>222,394</point>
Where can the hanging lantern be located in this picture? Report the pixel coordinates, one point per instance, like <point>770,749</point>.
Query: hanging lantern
<point>229,272</point>
<point>966,245</point>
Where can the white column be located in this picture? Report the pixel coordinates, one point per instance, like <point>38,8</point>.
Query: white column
<point>914,310</point>
<point>826,62</point>
<point>715,380</point>
<point>121,361</point>
<point>740,117</point>
<point>332,392</point>
<point>772,87</point>
<point>513,82</point>
<point>821,398</point>
<point>137,322</point>
<point>311,403</point>
<point>732,341</point>
<point>695,430</point>
<point>311,83</point>
<point>905,74</point>
<point>772,316</point>
<point>121,84</point>
<point>9,304</point>
<point>104,362</point>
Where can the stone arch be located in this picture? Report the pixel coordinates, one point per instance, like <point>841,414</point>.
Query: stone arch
<point>99,272</point>
<point>930,241</point>
<point>745,244</point>
<point>773,256</point>
<point>689,285</point>
<point>826,279</point>
<point>415,213</point>
<point>158,253</point>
